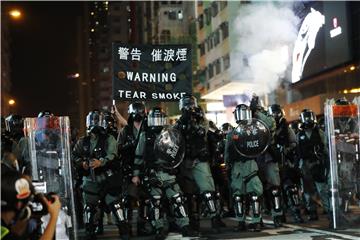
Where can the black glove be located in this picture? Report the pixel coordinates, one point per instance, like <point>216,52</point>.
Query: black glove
<point>254,103</point>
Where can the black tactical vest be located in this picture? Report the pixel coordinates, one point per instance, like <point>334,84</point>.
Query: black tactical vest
<point>307,147</point>
<point>128,154</point>
<point>282,137</point>
<point>149,154</point>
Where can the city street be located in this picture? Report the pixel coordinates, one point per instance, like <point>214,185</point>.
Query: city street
<point>185,109</point>
<point>307,231</point>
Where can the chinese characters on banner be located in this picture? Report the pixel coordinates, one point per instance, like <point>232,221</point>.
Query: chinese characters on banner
<point>151,72</point>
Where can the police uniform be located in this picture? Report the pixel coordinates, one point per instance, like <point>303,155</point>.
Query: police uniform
<point>95,186</point>
<point>245,181</point>
<point>159,180</point>
<point>283,152</point>
<point>195,168</point>
<point>285,140</point>
<point>313,163</point>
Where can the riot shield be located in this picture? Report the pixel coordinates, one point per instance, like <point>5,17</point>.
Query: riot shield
<point>251,138</point>
<point>49,148</point>
<point>169,148</point>
<point>342,128</point>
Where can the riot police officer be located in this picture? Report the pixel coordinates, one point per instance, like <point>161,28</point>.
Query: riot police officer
<point>313,162</point>
<point>127,142</point>
<point>245,182</point>
<point>91,154</point>
<point>269,171</point>
<point>284,151</point>
<point>195,167</point>
<point>216,140</point>
<point>14,126</point>
<point>347,135</point>
<point>161,171</point>
<point>109,123</point>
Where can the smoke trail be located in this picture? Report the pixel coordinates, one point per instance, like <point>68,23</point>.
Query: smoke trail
<point>265,33</point>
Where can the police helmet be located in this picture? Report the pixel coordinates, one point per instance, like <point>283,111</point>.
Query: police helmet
<point>307,119</point>
<point>137,111</point>
<point>45,113</point>
<point>94,120</point>
<point>342,101</point>
<point>276,112</point>
<point>226,127</point>
<point>14,123</point>
<point>242,112</point>
<point>187,102</point>
<point>157,117</point>
<point>108,121</point>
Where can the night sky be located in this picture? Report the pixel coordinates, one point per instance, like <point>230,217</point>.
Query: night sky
<point>44,49</point>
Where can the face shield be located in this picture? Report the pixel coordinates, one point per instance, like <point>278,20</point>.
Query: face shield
<point>137,111</point>
<point>157,118</point>
<point>276,112</point>
<point>14,123</point>
<point>94,121</point>
<point>187,103</point>
<point>242,113</point>
<point>308,119</point>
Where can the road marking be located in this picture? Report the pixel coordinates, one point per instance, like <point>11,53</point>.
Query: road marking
<point>346,236</point>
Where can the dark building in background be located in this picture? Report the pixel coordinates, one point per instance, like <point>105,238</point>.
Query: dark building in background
<point>5,64</point>
<point>337,69</point>
<point>141,22</point>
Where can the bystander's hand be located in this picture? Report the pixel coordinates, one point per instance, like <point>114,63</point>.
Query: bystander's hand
<point>136,180</point>
<point>85,165</point>
<point>53,207</point>
<point>95,163</point>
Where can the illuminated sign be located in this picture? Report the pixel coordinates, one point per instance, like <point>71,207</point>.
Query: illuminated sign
<point>305,42</point>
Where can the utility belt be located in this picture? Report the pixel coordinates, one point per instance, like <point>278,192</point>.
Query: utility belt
<point>173,171</point>
<point>100,174</point>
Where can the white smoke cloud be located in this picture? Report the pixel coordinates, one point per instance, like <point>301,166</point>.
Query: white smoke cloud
<point>265,34</point>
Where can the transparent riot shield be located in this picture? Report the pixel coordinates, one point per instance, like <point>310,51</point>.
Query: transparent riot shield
<point>342,127</point>
<point>49,149</point>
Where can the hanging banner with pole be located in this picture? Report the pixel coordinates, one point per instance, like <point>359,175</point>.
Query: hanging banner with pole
<point>151,72</point>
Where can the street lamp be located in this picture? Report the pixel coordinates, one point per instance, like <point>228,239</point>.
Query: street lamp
<point>15,14</point>
<point>11,102</point>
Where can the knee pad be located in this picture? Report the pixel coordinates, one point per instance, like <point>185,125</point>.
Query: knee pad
<point>156,207</point>
<point>255,204</point>
<point>239,205</point>
<point>178,204</point>
<point>209,198</point>
<point>293,195</point>
<point>276,198</point>
<point>89,213</point>
<point>118,209</point>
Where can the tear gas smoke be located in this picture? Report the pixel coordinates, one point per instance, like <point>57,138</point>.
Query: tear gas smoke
<point>265,34</point>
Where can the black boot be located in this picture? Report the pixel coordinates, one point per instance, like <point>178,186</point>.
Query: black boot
<point>219,222</point>
<point>215,225</point>
<point>124,230</point>
<point>142,229</point>
<point>100,226</point>
<point>277,221</point>
<point>160,234</point>
<point>186,231</point>
<point>241,227</point>
<point>255,227</point>
<point>313,216</point>
<point>90,232</point>
<point>297,217</point>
